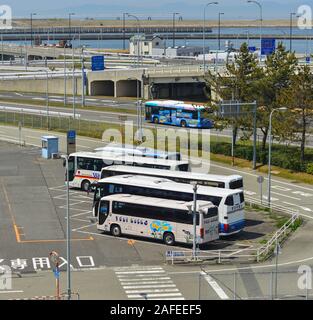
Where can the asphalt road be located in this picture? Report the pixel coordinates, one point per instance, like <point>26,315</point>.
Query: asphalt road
<point>32,211</point>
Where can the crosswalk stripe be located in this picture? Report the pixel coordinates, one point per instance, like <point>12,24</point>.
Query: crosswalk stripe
<point>148,286</point>
<point>137,269</point>
<point>144,279</point>
<point>152,290</point>
<point>151,295</point>
<point>136,272</point>
<point>146,282</point>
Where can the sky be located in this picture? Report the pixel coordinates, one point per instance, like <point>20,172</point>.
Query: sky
<point>189,9</point>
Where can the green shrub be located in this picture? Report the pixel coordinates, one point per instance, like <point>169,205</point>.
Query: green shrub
<point>309,168</point>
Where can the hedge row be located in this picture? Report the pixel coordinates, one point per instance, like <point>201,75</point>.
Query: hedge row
<point>282,156</point>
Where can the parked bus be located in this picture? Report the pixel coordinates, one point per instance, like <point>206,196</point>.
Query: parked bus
<point>210,180</point>
<point>177,114</point>
<point>230,202</point>
<point>167,220</point>
<point>85,167</point>
<point>131,150</point>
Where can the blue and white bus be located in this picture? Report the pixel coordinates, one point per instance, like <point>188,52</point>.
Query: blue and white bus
<point>177,113</point>
<point>230,203</point>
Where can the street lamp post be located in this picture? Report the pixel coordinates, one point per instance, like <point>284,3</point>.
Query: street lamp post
<point>194,244</point>
<point>270,153</point>
<point>219,29</point>
<point>73,83</point>
<point>174,15</point>
<point>124,45</point>
<point>31,27</point>
<point>83,77</point>
<point>261,19</point>
<point>68,230</point>
<point>290,36</point>
<point>139,115</point>
<point>65,78</point>
<point>70,25</point>
<point>47,98</point>
<point>204,20</point>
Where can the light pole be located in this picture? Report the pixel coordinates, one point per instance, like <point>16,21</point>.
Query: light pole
<point>69,24</point>
<point>174,15</point>
<point>83,77</point>
<point>65,78</point>
<point>204,20</point>
<point>219,29</point>
<point>139,129</point>
<point>194,244</point>
<point>47,97</point>
<point>68,230</point>
<point>261,20</point>
<point>73,82</point>
<point>270,153</point>
<point>123,29</point>
<point>290,35</point>
<point>31,27</point>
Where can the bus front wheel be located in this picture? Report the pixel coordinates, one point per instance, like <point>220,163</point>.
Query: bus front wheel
<point>183,124</point>
<point>115,230</point>
<point>85,186</point>
<point>169,238</point>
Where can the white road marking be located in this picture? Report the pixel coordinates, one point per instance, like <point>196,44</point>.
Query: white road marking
<point>138,283</point>
<point>303,208</point>
<point>254,175</point>
<point>12,291</point>
<point>215,286</point>
<point>284,195</point>
<point>152,291</point>
<point>150,295</point>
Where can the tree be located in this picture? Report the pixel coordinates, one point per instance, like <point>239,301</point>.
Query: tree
<point>278,71</point>
<point>236,83</point>
<point>298,97</point>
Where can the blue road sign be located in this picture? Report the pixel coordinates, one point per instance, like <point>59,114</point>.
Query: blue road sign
<point>307,59</point>
<point>252,49</point>
<point>71,134</point>
<point>268,46</point>
<point>97,63</point>
<point>56,273</point>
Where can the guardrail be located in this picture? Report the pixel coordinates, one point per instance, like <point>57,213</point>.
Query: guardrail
<point>38,112</point>
<point>246,254</point>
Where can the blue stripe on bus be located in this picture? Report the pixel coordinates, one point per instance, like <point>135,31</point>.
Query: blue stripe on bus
<point>233,227</point>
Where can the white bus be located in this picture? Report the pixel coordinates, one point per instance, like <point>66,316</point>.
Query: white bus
<point>130,150</point>
<point>163,219</point>
<point>85,167</point>
<point>210,180</point>
<point>230,202</point>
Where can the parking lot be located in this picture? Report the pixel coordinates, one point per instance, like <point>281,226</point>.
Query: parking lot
<point>33,209</point>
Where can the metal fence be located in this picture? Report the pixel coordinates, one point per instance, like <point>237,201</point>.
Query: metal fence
<point>243,285</point>
<point>58,122</point>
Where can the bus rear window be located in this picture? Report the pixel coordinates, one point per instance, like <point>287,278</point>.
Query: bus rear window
<point>237,184</point>
<point>183,167</point>
<point>242,197</point>
<point>229,201</point>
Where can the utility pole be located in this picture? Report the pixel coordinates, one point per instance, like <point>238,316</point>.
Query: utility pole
<point>290,38</point>
<point>65,78</point>
<point>31,28</point>
<point>174,31</point>
<point>83,78</point>
<point>194,244</point>
<point>73,82</point>
<point>219,29</point>
<point>124,31</point>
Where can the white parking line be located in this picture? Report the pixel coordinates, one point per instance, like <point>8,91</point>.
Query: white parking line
<point>152,290</point>
<point>12,291</point>
<point>215,286</point>
<point>155,295</point>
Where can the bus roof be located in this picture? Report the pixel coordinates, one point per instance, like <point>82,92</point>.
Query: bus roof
<point>173,174</point>
<point>174,104</point>
<point>166,184</point>
<point>114,156</point>
<point>158,202</point>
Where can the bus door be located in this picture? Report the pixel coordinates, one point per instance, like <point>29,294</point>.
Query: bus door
<point>173,116</point>
<point>104,210</point>
<point>71,168</point>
